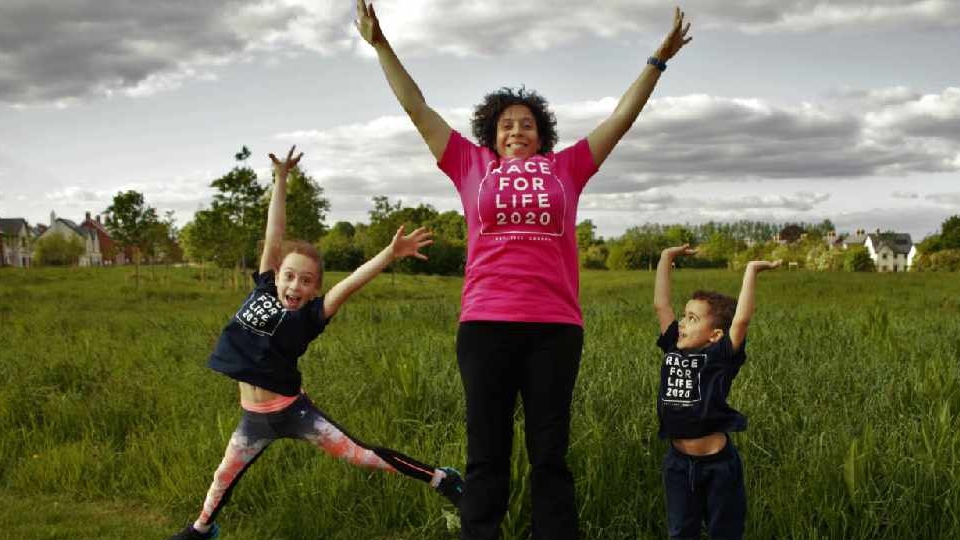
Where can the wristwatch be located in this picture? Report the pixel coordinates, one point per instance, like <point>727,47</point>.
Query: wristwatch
<point>656,62</point>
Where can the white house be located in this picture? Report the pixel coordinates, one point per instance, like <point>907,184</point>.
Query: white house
<point>64,227</point>
<point>891,252</point>
<point>16,242</point>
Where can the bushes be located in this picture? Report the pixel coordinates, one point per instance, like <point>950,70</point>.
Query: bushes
<point>57,250</point>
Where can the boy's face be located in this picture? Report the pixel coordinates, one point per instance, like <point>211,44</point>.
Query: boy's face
<point>696,327</point>
<point>297,281</point>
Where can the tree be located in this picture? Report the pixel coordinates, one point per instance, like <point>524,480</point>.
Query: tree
<point>57,250</point>
<point>950,233</point>
<point>240,211</point>
<point>132,224</point>
<point>306,207</point>
<point>858,259</point>
<point>339,251</point>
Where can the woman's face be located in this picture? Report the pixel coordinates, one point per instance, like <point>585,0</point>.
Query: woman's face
<point>517,135</point>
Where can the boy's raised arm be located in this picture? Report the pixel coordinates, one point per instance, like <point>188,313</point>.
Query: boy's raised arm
<point>747,301</point>
<point>401,246</point>
<point>661,287</point>
<point>277,212</point>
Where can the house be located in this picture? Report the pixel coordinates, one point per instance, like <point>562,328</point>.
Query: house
<point>109,251</point>
<point>891,252</point>
<point>16,242</point>
<point>832,240</point>
<point>68,229</point>
<point>854,240</point>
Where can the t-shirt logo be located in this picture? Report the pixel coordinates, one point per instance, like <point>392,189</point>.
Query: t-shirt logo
<point>522,197</point>
<point>681,378</point>
<point>261,313</point>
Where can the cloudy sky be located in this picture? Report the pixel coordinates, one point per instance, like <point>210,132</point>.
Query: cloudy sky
<point>781,110</point>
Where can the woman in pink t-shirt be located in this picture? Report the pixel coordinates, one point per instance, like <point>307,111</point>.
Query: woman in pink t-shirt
<point>521,329</point>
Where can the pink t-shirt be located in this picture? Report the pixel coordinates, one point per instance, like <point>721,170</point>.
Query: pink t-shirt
<point>521,231</point>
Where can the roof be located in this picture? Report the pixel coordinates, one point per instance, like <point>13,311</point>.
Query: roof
<point>899,243</point>
<point>12,226</point>
<point>76,228</point>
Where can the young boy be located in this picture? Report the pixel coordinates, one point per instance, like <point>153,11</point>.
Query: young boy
<point>702,471</point>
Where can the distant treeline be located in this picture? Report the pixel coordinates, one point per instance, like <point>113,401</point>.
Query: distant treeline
<point>230,231</point>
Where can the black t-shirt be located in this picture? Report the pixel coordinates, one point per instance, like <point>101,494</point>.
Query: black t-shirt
<point>694,385</point>
<point>263,341</point>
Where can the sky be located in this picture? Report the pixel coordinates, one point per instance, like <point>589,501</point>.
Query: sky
<point>778,110</point>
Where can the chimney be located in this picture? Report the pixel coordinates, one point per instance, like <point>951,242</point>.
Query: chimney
<point>98,218</point>
<point>88,216</point>
<point>53,218</point>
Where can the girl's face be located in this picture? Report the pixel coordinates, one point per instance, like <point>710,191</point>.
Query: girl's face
<point>517,135</point>
<point>297,281</point>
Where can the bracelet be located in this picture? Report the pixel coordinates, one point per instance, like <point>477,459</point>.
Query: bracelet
<point>657,63</point>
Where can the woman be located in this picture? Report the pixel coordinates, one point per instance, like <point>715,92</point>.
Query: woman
<point>521,328</point>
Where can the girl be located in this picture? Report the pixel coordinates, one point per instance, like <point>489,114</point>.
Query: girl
<point>261,344</point>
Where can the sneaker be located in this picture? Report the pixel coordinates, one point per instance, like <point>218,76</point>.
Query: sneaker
<point>451,486</point>
<point>189,533</point>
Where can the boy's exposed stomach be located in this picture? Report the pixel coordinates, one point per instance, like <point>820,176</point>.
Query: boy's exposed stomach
<point>701,446</point>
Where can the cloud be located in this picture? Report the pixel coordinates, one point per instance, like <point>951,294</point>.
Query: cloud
<point>904,195</point>
<point>946,199</point>
<point>470,28</point>
<point>931,115</point>
<point>661,199</point>
<point>57,52</point>
<point>61,52</point>
<point>184,195</point>
<point>677,143</point>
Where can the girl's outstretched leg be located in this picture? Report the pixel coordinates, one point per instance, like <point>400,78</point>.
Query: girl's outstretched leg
<point>245,446</point>
<point>317,428</point>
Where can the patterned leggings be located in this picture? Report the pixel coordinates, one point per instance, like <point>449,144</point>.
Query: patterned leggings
<point>300,420</point>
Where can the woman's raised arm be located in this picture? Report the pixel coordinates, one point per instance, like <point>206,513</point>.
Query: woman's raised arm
<point>606,136</point>
<point>432,127</point>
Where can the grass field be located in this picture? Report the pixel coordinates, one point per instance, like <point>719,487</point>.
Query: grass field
<point>111,426</point>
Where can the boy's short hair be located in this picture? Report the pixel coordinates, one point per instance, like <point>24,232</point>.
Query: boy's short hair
<point>721,308</point>
<point>306,249</point>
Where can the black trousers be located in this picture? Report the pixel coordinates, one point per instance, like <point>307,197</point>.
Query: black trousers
<point>705,490</point>
<point>539,361</point>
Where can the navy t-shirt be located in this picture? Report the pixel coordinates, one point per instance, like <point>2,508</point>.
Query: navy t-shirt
<point>263,341</point>
<point>694,385</point>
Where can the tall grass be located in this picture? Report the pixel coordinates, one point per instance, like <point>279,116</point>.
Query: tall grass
<point>106,409</point>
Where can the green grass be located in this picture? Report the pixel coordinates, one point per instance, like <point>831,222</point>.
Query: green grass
<point>111,426</point>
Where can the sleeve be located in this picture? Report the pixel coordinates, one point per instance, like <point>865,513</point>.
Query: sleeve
<point>577,162</point>
<point>264,280</point>
<point>668,340</point>
<point>460,158</point>
<point>724,351</point>
<point>314,315</point>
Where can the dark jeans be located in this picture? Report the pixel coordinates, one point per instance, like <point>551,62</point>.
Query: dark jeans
<point>705,490</point>
<point>539,361</point>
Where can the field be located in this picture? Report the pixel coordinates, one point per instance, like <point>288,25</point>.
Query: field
<point>111,426</point>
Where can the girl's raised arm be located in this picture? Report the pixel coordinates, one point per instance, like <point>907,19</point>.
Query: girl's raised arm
<point>432,127</point>
<point>277,212</point>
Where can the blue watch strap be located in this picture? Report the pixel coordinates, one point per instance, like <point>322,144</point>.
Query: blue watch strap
<point>656,62</point>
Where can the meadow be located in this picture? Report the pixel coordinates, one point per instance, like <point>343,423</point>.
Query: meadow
<point>111,425</point>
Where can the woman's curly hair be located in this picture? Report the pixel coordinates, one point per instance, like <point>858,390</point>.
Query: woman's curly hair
<point>487,113</point>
